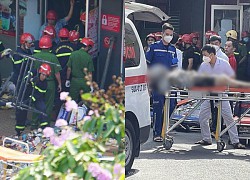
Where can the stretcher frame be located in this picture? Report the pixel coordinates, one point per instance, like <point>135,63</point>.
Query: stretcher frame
<point>22,83</point>
<point>15,159</point>
<point>203,94</point>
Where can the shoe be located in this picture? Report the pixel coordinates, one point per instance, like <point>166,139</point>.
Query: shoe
<point>213,134</point>
<point>204,143</point>
<point>238,146</point>
<point>158,139</point>
<point>9,105</point>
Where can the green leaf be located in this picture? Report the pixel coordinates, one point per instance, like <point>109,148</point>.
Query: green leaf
<point>86,96</point>
<point>72,162</point>
<point>79,170</point>
<point>79,156</point>
<point>72,150</point>
<point>109,131</point>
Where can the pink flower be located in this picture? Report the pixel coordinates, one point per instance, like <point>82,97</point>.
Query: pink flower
<point>94,169</point>
<point>64,95</point>
<point>87,136</point>
<point>91,112</point>
<point>57,141</point>
<point>97,113</point>
<point>48,132</point>
<point>61,122</point>
<point>104,175</point>
<point>87,118</point>
<point>118,169</point>
<point>70,105</point>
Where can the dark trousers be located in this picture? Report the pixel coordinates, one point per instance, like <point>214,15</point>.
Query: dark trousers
<point>21,116</point>
<point>158,105</point>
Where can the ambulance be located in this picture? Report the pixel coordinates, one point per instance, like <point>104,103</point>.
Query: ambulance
<point>137,99</point>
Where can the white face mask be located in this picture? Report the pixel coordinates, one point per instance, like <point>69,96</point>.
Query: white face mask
<point>206,59</point>
<point>216,48</point>
<point>168,38</point>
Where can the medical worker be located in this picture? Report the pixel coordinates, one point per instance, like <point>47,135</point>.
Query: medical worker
<point>216,66</point>
<point>162,53</point>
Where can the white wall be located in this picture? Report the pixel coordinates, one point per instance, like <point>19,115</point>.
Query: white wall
<point>32,20</point>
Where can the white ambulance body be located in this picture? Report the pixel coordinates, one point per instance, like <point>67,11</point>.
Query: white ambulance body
<point>137,100</point>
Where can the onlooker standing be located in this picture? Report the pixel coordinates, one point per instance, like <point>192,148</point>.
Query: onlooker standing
<point>188,53</point>
<point>216,42</point>
<point>52,20</point>
<point>150,39</point>
<point>178,51</point>
<point>229,50</point>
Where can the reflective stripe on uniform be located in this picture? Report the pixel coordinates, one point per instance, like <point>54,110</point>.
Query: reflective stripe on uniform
<point>236,53</point>
<point>40,90</point>
<point>19,61</point>
<point>36,51</point>
<point>20,127</point>
<point>63,54</point>
<point>197,53</point>
<point>249,52</point>
<point>44,124</point>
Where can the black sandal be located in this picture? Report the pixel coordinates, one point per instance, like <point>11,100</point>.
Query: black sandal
<point>204,143</point>
<point>158,139</point>
<point>238,146</point>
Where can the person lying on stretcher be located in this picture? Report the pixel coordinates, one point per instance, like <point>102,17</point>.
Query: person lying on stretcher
<point>212,72</point>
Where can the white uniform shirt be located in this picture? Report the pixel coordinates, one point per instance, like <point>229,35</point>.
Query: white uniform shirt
<point>179,57</point>
<point>222,55</point>
<point>221,67</point>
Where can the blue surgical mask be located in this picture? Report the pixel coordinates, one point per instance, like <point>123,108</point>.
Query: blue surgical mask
<point>246,39</point>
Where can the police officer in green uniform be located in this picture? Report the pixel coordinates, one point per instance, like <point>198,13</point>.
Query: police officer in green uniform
<point>45,44</point>
<point>77,62</point>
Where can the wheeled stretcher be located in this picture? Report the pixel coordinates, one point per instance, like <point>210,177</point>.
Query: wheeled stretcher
<point>202,94</point>
<point>11,161</point>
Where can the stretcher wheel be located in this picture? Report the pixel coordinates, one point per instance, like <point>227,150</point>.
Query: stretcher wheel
<point>220,146</point>
<point>168,142</point>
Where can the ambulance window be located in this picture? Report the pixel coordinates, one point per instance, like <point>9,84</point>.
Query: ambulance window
<point>131,48</point>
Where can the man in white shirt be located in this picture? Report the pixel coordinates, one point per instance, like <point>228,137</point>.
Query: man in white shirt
<point>217,66</point>
<point>216,42</point>
<point>178,52</point>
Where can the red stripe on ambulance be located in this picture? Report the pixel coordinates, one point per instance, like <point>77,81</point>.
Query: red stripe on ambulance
<point>135,80</point>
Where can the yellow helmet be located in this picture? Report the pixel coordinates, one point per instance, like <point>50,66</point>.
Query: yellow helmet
<point>231,34</point>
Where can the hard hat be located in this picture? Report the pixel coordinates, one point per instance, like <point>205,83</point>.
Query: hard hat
<point>26,37</point>
<point>210,33</point>
<point>51,15</point>
<point>45,69</point>
<point>64,33</point>
<point>214,38</point>
<point>186,38</point>
<point>73,36</point>
<point>87,42</point>
<point>150,35</point>
<point>45,42</point>
<point>50,31</point>
<point>231,34</point>
<point>158,36</point>
<point>245,34</point>
<point>194,35</point>
<point>83,17</point>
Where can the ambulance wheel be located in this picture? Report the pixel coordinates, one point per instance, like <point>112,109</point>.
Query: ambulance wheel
<point>220,146</point>
<point>130,145</point>
<point>168,142</point>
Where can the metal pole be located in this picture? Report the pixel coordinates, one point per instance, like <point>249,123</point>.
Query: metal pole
<point>111,43</point>
<point>17,23</point>
<point>99,41</point>
<point>204,28</point>
<point>87,18</point>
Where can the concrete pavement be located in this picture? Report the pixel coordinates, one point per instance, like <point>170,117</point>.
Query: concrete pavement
<point>187,161</point>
